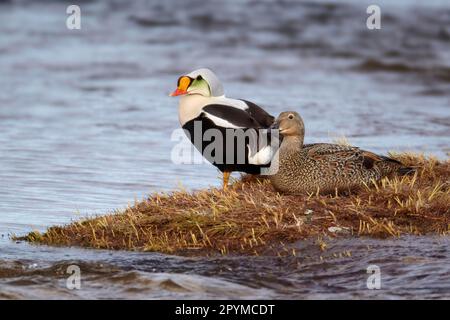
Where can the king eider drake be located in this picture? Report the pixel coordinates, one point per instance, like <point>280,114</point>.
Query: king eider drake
<point>203,106</point>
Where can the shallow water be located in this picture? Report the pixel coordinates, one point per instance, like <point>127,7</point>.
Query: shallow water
<point>85,126</point>
<point>411,267</point>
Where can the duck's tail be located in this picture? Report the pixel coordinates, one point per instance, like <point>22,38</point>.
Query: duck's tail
<point>397,167</point>
<point>403,171</point>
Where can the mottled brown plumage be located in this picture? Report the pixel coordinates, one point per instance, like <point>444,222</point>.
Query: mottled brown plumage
<point>323,167</point>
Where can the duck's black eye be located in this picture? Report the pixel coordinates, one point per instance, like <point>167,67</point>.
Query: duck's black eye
<point>291,116</point>
<point>199,78</point>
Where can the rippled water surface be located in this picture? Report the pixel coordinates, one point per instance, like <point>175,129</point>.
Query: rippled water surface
<point>85,127</point>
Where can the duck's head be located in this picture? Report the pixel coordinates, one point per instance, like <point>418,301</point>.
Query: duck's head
<point>290,124</point>
<point>201,81</point>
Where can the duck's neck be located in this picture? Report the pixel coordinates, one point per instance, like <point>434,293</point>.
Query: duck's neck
<point>292,143</point>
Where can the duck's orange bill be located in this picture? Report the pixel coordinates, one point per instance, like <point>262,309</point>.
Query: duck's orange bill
<point>178,92</point>
<point>183,84</point>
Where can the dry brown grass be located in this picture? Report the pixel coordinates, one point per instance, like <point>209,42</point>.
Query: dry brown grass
<point>252,218</point>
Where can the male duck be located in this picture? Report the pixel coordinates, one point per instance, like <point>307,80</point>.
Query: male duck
<point>203,106</point>
<point>323,167</point>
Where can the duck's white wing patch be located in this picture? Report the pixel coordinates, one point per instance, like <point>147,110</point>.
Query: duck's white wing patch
<point>263,156</point>
<point>192,105</point>
<point>239,104</point>
<point>260,151</point>
<point>229,117</point>
<point>220,122</point>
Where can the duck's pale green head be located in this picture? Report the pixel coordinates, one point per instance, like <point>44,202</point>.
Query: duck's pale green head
<point>202,81</point>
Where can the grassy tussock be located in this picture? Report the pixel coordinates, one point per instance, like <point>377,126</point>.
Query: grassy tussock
<point>252,218</point>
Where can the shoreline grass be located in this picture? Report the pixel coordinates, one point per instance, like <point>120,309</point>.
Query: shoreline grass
<point>251,218</point>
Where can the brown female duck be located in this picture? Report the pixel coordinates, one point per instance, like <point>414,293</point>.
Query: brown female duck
<point>324,167</point>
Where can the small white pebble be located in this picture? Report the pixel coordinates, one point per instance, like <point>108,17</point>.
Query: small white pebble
<point>308,212</point>
<point>334,229</point>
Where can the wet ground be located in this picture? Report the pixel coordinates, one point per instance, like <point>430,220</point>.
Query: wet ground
<point>85,127</point>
